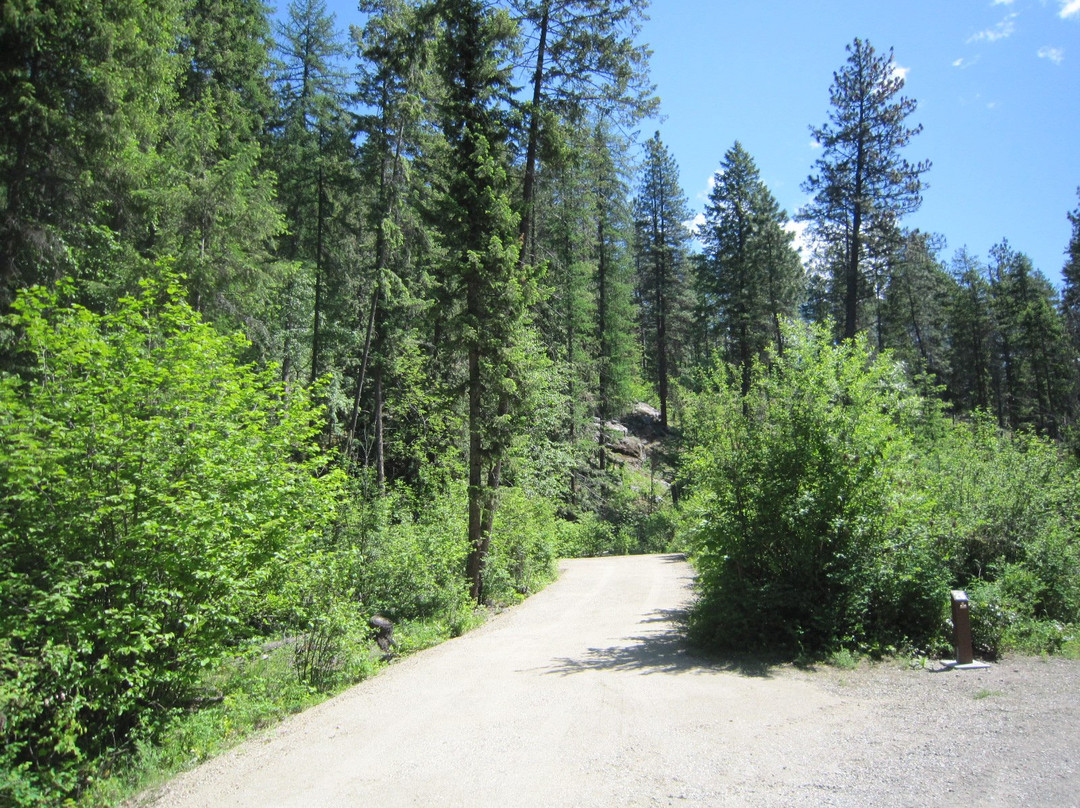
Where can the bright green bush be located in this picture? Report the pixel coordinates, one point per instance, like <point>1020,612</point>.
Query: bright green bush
<point>524,546</point>
<point>833,507</point>
<point>155,497</point>
<point>406,557</point>
<point>808,534</point>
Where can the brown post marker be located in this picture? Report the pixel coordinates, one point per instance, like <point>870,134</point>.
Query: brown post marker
<point>961,618</point>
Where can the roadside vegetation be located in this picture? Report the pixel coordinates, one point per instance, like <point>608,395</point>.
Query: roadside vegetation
<point>833,508</point>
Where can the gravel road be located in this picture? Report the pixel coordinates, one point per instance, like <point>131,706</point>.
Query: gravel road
<point>586,696</point>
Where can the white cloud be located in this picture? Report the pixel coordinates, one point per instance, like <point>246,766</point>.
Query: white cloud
<point>1002,30</point>
<point>802,241</point>
<point>815,144</point>
<point>694,225</point>
<point>900,72</point>
<point>1069,8</point>
<point>1055,55</point>
<point>1003,2</point>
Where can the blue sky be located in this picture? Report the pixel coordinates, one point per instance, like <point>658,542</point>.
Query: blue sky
<point>997,84</point>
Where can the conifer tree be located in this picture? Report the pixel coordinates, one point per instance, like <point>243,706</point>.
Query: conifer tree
<point>971,329</point>
<point>660,211</point>
<point>85,89</point>
<point>617,353</point>
<point>316,174</point>
<point>585,58</point>
<point>1031,382</point>
<point>1070,274</point>
<point>479,232</point>
<point>751,276</point>
<point>913,310</point>
<point>215,195</point>
<point>862,183</point>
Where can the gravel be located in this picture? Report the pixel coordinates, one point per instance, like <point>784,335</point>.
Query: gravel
<point>585,695</point>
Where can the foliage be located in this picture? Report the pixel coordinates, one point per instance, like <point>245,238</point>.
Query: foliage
<point>803,504</point>
<point>751,276</point>
<point>661,249</point>
<point>834,507</point>
<point>524,547</point>
<point>862,184</point>
<point>156,496</point>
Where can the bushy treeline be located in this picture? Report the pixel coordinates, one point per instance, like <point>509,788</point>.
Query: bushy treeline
<point>833,506</point>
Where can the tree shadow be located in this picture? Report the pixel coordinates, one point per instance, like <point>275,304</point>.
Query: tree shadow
<point>673,558</point>
<point>663,651</point>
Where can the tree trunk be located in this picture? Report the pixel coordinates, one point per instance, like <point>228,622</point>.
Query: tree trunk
<point>315,331</point>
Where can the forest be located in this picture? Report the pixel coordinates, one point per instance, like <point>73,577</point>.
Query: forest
<point>301,326</point>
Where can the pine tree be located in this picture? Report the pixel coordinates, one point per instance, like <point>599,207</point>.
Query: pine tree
<point>398,89</point>
<point>1070,274</point>
<point>1033,366</point>
<point>316,173</point>
<point>913,310</point>
<point>617,353</point>
<point>585,59</point>
<point>971,329</point>
<point>751,277</point>
<point>862,184</point>
<point>215,195</point>
<point>479,232</point>
<point>660,212</point>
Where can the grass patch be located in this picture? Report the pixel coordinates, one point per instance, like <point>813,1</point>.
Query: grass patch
<point>987,694</point>
<point>844,659</point>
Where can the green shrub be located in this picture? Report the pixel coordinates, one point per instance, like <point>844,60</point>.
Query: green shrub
<point>834,507</point>
<point>154,494</point>
<point>524,546</point>
<point>408,556</point>
<point>809,534</point>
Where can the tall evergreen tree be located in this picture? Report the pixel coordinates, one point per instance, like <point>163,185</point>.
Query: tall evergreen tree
<point>971,329</point>
<point>862,184</point>
<point>751,276</point>
<point>584,57</point>
<point>215,194</point>
<point>1070,274</point>
<point>398,90</point>
<point>316,175</point>
<point>479,231</point>
<point>1031,383</point>
<point>660,211</point>
<point>913,310</point>
<point>615,343</point>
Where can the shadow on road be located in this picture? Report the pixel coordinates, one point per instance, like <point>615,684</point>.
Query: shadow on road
<point>659,651</point>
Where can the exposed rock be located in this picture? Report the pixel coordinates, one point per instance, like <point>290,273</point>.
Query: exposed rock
<point>629,446</point>
<point>644,422</point>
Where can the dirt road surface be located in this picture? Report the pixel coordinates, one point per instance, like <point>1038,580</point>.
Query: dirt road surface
<point>585,695</point>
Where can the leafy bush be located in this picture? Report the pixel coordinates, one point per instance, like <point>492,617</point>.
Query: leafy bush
<point>155,494</point>
<point>808,536</point>
<point>524,546</point>
<point>1005,513</point>
<point>833,507</point>
<point>407,556</point>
